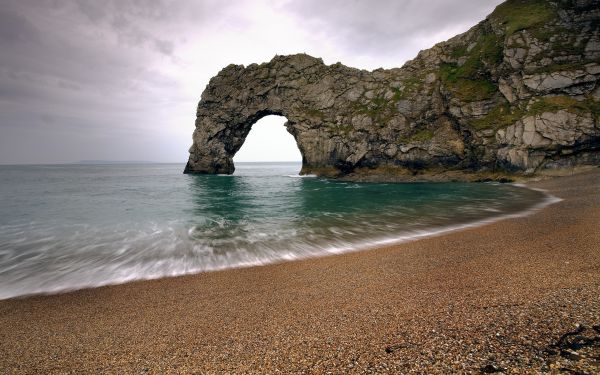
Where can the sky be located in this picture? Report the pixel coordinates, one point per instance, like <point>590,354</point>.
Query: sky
<point>120,80</point>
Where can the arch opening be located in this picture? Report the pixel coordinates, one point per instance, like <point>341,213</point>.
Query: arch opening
<point>268,141</point>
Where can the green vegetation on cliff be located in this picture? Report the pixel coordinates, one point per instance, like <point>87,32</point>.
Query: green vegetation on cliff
<point>470,79</point>
<point>410,86</point>
<point>556,103</point>
<point>499,117</point>
<point>516,15</point>
<point>313,113</point>
<point>466,89</point>
<point>504,115</point>
<point>379,109</point>
<point>422,135</point>
<point>561,41</point>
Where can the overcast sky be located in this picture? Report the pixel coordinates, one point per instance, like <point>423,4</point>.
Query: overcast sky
<point>120,80</point>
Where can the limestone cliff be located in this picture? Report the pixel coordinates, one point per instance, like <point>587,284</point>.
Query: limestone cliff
<point>516,93</point>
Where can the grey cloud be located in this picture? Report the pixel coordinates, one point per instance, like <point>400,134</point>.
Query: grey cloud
<point>84,69</point>
<point>383,27</point>
<point>145,22</point>
<point>15,28</point>
<point>164,46</point>
<point>93,10</point>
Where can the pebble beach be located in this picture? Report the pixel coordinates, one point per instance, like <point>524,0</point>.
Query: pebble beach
<point>516,296</point>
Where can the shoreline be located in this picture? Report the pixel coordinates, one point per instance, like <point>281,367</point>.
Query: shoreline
<point>333,250</point>
<point>497,295</point>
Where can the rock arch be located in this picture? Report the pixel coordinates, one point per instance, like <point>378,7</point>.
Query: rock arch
<point>298,87</point>
<point>474,105</point>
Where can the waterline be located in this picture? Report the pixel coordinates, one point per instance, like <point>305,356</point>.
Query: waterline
<point>78,227</point>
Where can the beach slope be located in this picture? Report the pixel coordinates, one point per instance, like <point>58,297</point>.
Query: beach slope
<point>484,299</point>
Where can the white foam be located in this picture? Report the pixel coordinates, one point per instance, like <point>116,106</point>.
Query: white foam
<point>162,256</point>
<point>301,175</point>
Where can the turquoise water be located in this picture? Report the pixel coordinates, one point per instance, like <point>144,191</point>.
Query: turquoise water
<point>65,227</point>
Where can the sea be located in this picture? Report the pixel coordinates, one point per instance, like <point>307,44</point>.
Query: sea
<point>66,227</point>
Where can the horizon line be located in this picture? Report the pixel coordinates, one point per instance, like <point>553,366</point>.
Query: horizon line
<point>105,162</point>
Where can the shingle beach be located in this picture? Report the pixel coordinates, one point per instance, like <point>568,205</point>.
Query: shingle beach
<point>520,295</point>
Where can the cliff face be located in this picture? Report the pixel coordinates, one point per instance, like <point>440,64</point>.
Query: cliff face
<point>516,93</point>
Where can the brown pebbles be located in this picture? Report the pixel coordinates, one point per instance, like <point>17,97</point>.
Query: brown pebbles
<point>493,299</point>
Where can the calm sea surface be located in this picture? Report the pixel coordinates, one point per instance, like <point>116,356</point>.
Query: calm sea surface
<point>65,227</point>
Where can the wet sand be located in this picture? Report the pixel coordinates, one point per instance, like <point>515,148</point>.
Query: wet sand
<point>479,300</point>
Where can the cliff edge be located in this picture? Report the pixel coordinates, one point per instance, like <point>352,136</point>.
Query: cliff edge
<point>516,94</point>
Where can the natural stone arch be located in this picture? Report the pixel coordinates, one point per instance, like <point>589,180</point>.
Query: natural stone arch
<point>342,118</point>
<point>225,143</point>
<point>475,103</point>
<point>297,87</point>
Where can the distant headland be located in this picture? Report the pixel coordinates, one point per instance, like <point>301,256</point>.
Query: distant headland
<point>111,162</point>
<point>516,94</point>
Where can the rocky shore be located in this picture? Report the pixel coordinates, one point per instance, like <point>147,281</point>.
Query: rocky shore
<point>516,296</point>
<point>516,94</point>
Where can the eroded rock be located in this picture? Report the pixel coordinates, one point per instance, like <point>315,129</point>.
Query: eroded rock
<point>495,98</point>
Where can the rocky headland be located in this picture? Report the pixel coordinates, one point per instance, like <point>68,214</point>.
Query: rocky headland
<point>515,95</point>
